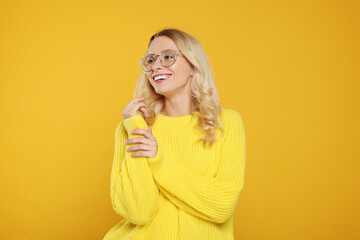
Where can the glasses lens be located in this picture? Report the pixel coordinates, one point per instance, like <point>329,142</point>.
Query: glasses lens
<point>147,62</point>
<point>168,59</point>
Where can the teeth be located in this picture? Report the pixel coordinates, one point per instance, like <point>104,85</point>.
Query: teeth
<point>160,77</point>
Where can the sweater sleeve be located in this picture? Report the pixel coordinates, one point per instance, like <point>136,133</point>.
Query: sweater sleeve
<point>210,198</point>
<point>134,194</point>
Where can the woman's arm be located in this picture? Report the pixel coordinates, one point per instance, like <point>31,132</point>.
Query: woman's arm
<point>211,198</point>
<point>133,192</point>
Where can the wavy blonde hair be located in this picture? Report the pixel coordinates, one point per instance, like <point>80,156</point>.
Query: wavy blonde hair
<point>205,97</point>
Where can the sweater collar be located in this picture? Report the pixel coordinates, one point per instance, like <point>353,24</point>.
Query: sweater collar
<point>176,122</point>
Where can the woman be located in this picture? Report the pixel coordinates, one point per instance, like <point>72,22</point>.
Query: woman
<point>179,159</point>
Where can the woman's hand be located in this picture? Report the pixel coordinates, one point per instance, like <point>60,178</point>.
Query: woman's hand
<point>147,144</point>
<point>134,106</point>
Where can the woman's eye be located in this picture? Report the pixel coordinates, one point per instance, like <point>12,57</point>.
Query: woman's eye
<point>150,61</point>
<point>168,56</point>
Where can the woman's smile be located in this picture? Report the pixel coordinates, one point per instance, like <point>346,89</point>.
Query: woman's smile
<point>161,78</point>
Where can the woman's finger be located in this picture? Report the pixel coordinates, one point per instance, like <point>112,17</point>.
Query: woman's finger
<point>143,110</point>
<point>144,132</point>
<point>136,100</point>
<point>141,154</point>
<point>137,140</point>
<point>138,147</point>
<point>138,105</point>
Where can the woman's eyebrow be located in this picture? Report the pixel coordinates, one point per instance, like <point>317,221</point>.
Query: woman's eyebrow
<point>163,51</point>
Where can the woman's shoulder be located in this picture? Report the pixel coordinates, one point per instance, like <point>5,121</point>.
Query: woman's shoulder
<point>232,122</point>
<point>230,116</point>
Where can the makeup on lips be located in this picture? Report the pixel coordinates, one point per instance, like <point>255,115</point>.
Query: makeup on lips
<point>159,78</point>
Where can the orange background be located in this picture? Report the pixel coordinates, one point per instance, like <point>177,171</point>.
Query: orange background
<point>290,68</point>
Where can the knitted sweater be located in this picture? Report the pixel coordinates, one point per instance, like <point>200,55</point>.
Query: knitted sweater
<point>186,191</point>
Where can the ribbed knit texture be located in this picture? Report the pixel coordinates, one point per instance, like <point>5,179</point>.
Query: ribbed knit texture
<point>186,191</point>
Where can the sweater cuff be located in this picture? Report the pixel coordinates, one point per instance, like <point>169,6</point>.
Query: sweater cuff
<point>158,164</point>
<point>134,122</point>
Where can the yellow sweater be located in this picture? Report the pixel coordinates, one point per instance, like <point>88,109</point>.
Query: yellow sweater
<point>186,191</point>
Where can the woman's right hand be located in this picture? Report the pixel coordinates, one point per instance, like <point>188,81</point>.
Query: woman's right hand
<point>134,106</point>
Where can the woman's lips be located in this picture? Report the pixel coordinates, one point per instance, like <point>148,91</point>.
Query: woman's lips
<point>160,81</point>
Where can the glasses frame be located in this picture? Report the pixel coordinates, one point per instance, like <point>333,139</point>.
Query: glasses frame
<point>159,55</point>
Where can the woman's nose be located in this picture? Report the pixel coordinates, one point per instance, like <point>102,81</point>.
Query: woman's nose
<point>157,64</point>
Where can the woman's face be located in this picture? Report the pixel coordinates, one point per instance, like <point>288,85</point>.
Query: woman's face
<point>178,75</point>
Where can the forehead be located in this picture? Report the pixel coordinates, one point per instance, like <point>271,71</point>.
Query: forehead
<point>160,44</point>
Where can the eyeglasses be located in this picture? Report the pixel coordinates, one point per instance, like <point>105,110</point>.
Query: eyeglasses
<point>167,58</point>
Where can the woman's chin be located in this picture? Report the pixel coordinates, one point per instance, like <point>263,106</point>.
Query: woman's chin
<point>159,90</point>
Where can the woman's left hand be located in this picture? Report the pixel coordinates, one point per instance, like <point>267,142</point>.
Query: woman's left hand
<point>147,144</point>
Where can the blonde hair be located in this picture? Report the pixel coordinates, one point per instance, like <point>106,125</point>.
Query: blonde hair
<point>205,97</point>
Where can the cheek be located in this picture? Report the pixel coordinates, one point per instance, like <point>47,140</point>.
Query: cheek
<point>148,77</point>
<point>184,73</point>
<point>184,69</point>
